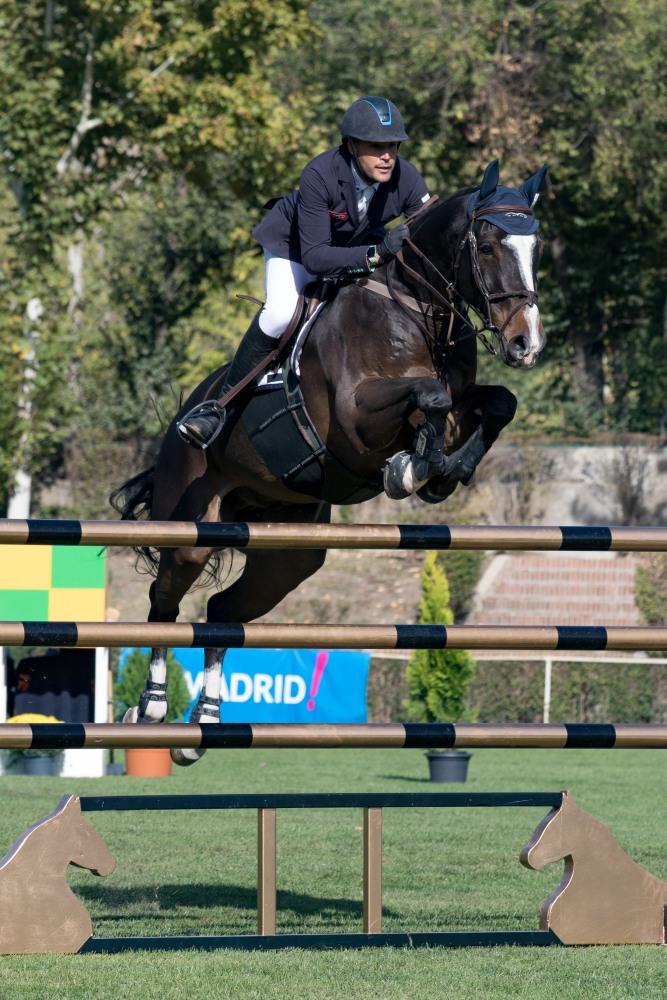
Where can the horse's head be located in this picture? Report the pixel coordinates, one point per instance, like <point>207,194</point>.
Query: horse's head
<point>498,273</point>
<point>487,237</point>
<point>555,838</point>
<point>85,847</point>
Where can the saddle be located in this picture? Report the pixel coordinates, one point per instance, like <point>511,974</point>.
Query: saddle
<point>313,296</point>
<point>278,424</point>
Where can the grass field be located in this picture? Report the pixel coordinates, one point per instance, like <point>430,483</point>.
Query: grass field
<point>454,869</point>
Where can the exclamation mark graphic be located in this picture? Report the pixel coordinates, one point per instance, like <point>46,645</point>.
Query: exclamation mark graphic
<point>320,663</point>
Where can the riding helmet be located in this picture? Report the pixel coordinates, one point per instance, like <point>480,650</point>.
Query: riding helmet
<point>373,119</point>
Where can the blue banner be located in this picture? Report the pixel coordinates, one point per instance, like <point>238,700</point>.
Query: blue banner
<point>283,685</point>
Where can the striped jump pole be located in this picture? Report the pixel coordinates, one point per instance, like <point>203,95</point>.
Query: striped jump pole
<point>243,535</point>
<point>440,735</point>
<point>259,636</point>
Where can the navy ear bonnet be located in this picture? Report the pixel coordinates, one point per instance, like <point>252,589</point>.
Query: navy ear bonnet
<point>517,220</point>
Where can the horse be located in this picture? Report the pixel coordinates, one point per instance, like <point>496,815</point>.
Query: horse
<point>604,897</point>
<point>38,910</point>
<point>387,382</point>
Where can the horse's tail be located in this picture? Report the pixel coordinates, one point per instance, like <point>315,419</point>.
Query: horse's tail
<point>133,500</point>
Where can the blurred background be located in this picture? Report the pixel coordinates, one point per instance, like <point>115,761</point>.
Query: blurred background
<point>139,141</point>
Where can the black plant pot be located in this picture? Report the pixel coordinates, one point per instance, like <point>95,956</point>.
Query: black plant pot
<point>40,764</point>
<point>448,765</point>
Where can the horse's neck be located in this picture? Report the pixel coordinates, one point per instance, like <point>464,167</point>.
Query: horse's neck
<point>438,236</point>
<point>597,852</point>
<point>39,843</point>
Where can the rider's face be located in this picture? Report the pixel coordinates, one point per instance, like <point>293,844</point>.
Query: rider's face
<point>376,159</point>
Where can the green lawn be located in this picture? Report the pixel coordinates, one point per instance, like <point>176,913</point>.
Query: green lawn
<point>194,873</point>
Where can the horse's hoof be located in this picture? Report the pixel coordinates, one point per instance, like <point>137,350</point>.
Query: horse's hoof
<point>184,757</point>
<point>397,476</point>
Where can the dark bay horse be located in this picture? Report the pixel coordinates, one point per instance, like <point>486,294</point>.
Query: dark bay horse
<point>388,379</point>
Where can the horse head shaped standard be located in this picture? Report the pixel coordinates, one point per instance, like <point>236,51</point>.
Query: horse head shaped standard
<point>604,897</point>
<point>38,910</point>
<point>504,252</point>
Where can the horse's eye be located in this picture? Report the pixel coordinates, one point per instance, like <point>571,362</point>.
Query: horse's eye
<point>486,248</point>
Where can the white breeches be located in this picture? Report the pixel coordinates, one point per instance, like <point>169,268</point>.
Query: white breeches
<point>285,280</point>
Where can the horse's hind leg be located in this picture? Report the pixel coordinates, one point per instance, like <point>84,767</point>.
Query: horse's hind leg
<point>267,577</point>
<point>177,572</point>
<point>184,488</point>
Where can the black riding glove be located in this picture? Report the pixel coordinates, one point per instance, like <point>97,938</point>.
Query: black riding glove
<point>393,241</point>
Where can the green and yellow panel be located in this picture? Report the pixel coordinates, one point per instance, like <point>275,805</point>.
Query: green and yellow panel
<point>52,583</point>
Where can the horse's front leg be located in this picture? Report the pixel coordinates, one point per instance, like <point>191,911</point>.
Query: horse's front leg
<point>207,708</point>
<point>475,423</point>
<point>383,407</point>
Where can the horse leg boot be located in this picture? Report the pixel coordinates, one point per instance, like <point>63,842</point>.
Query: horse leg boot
<point>207,709</point>
<point>405,472</point>
<point>201,426</point>
<point>460,465</point>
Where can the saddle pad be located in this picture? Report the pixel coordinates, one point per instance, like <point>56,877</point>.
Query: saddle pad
<point>298,458</point>
<point>271,427</point>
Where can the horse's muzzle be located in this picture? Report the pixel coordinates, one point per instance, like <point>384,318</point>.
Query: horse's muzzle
<point>521,353</point>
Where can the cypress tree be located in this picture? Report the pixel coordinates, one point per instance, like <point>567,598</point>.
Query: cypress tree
<point>438,679</point>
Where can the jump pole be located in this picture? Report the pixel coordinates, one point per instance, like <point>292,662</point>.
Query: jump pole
<point>246,535</point>
<point>258,636</point>
<point>440,735</point>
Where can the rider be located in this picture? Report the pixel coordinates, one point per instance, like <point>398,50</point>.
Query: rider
<point>315,232</point>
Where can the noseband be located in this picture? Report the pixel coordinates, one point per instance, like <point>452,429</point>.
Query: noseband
<point>526,296</point>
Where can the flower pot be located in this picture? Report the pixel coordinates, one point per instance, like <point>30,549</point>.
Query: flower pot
<point>448,765</point>
<point>148,763</point>
<point>43,764</point>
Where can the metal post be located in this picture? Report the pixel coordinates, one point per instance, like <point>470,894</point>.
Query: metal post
<point>266,871</point>
<point>547,688</point>
<point>372,871</point>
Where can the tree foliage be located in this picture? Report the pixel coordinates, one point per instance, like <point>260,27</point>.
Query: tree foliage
<point>139,141</point>
<point>105,106</point>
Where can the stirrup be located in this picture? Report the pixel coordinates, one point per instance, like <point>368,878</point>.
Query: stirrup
<point>208,408</point>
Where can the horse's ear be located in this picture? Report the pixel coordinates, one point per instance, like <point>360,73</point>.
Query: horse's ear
<point>531,188</point>
<point>490,180</point>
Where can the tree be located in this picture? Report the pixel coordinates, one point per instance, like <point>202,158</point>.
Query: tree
<point>97,100</point>
<point>438,679</point>
<point>132,681</point>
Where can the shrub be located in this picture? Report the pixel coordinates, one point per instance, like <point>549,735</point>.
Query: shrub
<point>438,679</point>
<point>132,680</point>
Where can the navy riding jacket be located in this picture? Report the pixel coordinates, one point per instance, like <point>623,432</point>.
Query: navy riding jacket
<point>317,225</point>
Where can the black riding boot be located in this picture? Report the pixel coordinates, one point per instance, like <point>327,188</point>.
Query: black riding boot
<point>201,426</point>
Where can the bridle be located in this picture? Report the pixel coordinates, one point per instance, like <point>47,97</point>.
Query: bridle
<point>451,295</point>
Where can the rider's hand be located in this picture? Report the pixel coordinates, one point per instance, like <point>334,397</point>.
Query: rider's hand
<point>393,241</point>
